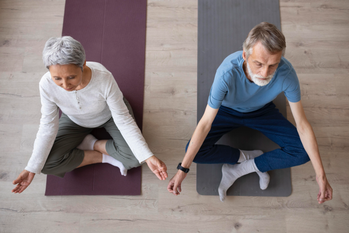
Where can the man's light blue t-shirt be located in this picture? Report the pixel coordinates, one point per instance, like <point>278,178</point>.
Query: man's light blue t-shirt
<point>232,89</point>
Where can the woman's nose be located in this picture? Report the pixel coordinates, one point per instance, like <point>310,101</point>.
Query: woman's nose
<point>64,84</point>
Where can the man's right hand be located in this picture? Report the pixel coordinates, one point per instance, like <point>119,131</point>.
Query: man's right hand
<point>23,181</point>
<point>199,135</point>
<point>174,186</point>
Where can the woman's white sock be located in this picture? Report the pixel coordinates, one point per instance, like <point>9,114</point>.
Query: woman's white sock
<point>230,173</point>
<point>114,162</point>
<point>88,143</point>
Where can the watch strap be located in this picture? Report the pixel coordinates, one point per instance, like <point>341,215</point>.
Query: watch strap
<point>183,169</point>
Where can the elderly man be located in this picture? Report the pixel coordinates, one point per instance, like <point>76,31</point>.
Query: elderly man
<point>244,87</point>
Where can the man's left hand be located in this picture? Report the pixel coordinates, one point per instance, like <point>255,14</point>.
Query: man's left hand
<point>325,192</point>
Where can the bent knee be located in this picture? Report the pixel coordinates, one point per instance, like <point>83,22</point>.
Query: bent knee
<point>56,171</point>
<point>58,164</point>
<point>131,164</point>
<point>303,158</point>
<point>299,157</point>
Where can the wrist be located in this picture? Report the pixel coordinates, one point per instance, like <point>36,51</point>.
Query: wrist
<point>148,159</point>
<point>321,177</point>
<point>181,174</point>
<point>320,173</point>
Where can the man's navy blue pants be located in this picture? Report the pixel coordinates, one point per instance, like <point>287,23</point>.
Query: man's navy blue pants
<point>267,120</point>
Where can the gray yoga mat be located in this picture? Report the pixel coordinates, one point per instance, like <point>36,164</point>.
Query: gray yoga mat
<point>222,27</point>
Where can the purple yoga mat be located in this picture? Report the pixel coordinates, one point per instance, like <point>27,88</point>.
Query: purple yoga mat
<point>97,179</point>
<point>113,33</point>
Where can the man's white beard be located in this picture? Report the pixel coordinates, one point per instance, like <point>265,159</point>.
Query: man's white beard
<point>256,78</point>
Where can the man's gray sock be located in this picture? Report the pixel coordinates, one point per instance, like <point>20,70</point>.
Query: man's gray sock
<point>230,173</point>
<point>249,154</point>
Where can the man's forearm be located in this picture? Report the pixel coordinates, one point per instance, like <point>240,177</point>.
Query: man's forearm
<point>308,139</point>
<point>196,141</point>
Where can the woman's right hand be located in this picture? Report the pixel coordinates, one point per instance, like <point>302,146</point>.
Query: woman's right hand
<point>157,167</point>
<point>23,181</point>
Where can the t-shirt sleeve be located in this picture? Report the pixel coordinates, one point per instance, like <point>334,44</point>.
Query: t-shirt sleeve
<point>125,122</point>
<point>47,132</point>
<point>291,87</point>
<point>218,90</point>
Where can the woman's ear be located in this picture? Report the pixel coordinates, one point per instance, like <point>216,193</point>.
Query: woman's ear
<point>83,66</point>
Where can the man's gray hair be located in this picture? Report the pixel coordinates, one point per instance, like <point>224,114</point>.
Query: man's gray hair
<point>270,37</point>
<point>63,51</point>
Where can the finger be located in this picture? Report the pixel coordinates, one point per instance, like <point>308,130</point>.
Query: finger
<point>163,170</point>
<point>164,167</point>
<point>179,188</point>
<point>163,174</point>
<point>157,173</point>
<point>330,194</point>
<point>18,189</point>
<point>22,188</point>
<point>321,199</point>
<point>175,191</point>
<point>15,190</point>
<point>170,187</point>
<point>17,181</point>
<point>157,170</point>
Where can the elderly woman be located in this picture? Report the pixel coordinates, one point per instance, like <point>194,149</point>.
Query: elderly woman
<point>89,98</point>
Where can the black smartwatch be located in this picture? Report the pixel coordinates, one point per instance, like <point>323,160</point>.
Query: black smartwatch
<point>183,169</point>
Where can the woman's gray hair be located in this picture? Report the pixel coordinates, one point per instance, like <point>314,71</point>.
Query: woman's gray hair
<point>63,51</point>
<point>270,37</point>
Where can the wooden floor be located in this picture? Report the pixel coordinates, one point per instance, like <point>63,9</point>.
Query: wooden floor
<point>317,33</point>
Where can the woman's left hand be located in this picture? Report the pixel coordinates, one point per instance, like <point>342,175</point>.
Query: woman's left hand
<point>157,167</point>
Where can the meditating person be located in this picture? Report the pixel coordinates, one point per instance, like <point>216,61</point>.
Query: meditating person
<point>89,98</point>
<point>244,87</point>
